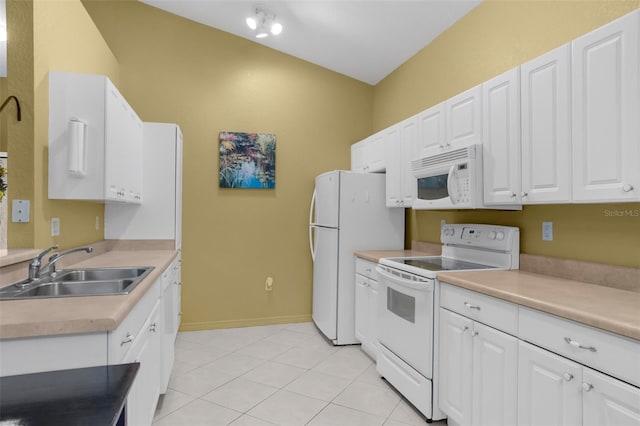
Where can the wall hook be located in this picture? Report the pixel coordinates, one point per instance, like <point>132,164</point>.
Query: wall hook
<point>4,104</point>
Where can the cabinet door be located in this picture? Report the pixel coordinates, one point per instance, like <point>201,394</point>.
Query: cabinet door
<point>393,147</point>
<point>495,377</point>
<point>358,154</point>
<point>408,138</point>
<point>115,159</point>
<point>501,139</point>
<point>549,390</point>
<point>362,309</point>
<point>431,131</point>
<point>546,128</point>
<point>373,318</point>
<point>144,393</point>
<point>375,153</point>
<point>608,402</point>
<point>455,366</point>
<point>606,107</point>
<point>464,126</point>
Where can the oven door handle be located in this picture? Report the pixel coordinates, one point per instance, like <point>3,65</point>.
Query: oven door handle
<point>423,284</point>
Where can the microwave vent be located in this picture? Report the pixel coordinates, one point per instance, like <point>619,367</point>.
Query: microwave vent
<point>444,158</point>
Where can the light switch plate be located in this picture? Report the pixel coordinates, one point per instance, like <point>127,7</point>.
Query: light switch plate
<point>547,231</point>
<point>55,226</point>
<point>20,211</point>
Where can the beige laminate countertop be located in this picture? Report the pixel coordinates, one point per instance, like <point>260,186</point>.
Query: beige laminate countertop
<point>607,308</point>
<point>73,315</point>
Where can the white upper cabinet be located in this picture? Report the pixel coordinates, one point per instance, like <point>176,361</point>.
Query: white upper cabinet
<point>546,128</point>
<point>452,124</point>
<point>400,143</point>
<point>368,155</point>
<point>160,217</point>
<point>606,111</point>
<point>95,140</point>
<point>501,139</point>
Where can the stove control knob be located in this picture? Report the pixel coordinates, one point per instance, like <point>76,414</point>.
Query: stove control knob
<point>492,235</point>
<point>500,235</point>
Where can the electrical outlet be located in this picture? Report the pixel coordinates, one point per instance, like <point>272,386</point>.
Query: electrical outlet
<point>547,231</point>
<point>268,284</point>
<point>97,222</point>
<point>55,226</point>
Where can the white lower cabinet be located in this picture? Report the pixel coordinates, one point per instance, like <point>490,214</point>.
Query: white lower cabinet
<point>553,390</point>
<point>549,388</point>
<point>547,374</point>
<point>145,391</point>
<point>478,372</point>
<point>366,307</point>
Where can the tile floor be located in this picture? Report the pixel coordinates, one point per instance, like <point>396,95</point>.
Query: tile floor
<point>277,375</point>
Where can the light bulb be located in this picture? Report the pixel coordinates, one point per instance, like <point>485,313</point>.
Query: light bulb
<point>261,34</point>
<point>276,28</point>
<point>251,23</point>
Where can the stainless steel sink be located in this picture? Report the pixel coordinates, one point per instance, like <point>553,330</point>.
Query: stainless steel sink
<point>79,282</point>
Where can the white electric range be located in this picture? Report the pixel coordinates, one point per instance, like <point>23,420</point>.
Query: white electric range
<point>409,300</point>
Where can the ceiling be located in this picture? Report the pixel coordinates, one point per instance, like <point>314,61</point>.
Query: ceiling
<point>363,39</point>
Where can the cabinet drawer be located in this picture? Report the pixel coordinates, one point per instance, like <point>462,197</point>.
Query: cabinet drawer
<point>610,353</point>
<point>366,268</point>
<point>488,310</point>
<point>120,340</point>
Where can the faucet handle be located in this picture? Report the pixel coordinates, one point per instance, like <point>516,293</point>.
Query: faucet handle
<point>38,258</point>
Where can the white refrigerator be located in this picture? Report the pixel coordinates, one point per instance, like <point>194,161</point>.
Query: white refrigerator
<point>347,214</point>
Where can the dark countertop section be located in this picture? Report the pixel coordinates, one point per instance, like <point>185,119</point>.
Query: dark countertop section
<point>83,396</point>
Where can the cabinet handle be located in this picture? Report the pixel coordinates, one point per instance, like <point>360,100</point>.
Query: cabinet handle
<point>567,377</point>
<point>627,188</point>
<point>578,345</point>
<point>470,306</point>
<point>128,339</point>
<point>587,386</point>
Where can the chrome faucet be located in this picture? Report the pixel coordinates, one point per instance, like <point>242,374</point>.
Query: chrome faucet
<point>57,256</point>
<point>34,266</point>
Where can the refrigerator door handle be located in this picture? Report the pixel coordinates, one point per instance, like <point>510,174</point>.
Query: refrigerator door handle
<point>313,203</point>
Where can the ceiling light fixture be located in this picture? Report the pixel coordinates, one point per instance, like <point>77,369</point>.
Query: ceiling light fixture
<point>263,22</point>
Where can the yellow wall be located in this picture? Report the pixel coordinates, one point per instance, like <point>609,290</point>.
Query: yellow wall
<point>49,35</point>
<point>492,38</point>
<point>208,81</point>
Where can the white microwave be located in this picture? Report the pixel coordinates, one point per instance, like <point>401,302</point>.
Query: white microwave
<point>450,180</point>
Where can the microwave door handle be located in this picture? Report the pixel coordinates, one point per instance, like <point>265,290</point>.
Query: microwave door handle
<point>451,178</point>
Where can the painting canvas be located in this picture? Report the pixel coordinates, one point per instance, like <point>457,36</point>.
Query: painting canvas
<point>247,160</point>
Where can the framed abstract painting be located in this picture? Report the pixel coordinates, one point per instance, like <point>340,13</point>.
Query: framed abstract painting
<point>247,160</point>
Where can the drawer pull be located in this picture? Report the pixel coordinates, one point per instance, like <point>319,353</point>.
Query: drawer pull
<point>567,377</point>
<point>127,339</point>
<point>470,306</point>
<point>587,386</point>
<point>578,345</point>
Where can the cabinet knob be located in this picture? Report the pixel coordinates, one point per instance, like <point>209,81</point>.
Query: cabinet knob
<point>513,195</point>
<point>524,194</point>
<point>474,333</point>
<point>627,188</point>
<point>153,328</point>
<point>465,329</point>
<point>587,386</point>
<point>128,339</point>
<point>567,377</point>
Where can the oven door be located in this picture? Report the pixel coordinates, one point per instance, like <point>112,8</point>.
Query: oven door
<point>405,317</point>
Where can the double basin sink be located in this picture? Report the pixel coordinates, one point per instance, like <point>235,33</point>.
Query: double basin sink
<point>79,282</point>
